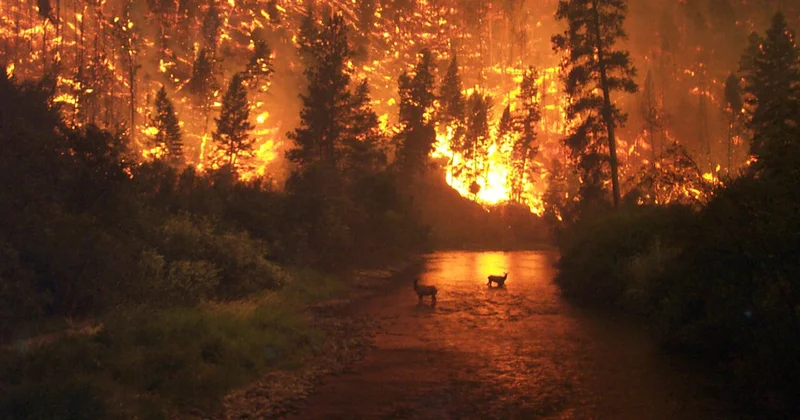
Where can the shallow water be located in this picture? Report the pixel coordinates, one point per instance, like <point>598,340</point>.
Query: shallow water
<point>516,352</point>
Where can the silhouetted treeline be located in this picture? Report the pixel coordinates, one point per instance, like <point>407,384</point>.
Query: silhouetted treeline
<point>718,280</point>
<point>86,227</point>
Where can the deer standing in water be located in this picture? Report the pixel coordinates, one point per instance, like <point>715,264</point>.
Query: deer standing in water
<point>425,291</point>
<point>500,280</point>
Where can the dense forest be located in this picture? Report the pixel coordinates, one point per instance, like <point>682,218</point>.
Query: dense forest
<point>173,152</point>
<point>715,279</point>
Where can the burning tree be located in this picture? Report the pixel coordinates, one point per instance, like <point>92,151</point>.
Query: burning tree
<point>651,115</point>
<point>165,130</point>
<point>593,63</point>
<point>130,41</point>
<point>260,66</point>
<point>678,180</point>
<point>203,83</point>
<point>452,107</point>
<point>556,197</point>
<point>366,21</point>
<point>506,138</point>
<point>476,142</point>
<point>165,13</point>
<point>772,97</point>
<point>212,26</point>
<point>233,126</point>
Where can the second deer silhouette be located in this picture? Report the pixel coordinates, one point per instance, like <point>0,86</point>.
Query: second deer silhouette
<point>500,280</point>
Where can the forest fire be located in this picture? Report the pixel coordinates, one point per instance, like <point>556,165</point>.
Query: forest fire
<point>109,59</point>
<point>207,175</point>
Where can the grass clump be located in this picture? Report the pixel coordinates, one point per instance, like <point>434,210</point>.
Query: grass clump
<point>147,362</point>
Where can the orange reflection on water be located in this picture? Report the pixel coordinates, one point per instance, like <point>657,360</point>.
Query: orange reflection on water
<point>463,270</point>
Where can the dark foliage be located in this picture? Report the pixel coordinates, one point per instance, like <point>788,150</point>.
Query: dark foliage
<point>344,200</point>
<point>87,229</point>
<point>525,148</point>
<point>717,278</point>
<point>771,71</point>
<point>415,140</point>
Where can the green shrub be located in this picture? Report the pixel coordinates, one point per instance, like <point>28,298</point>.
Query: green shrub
<point>597,252</point>
<point>190,282</point>
<point>185,238</point>
<point>147,360</point>
<point>243,264</point>
<point>240,261</point>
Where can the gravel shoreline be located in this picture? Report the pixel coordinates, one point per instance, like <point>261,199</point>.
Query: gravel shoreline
<point>348,339</point>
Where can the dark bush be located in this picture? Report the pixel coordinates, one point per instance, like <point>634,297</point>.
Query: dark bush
<point>597,252</point>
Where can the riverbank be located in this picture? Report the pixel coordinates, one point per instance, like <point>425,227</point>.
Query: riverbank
<point>712,289</point>
<point>257,356</point>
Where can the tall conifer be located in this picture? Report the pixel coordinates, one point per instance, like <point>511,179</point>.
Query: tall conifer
<point>594,68</point>
<point>168,136</point>
<point>233,126</point>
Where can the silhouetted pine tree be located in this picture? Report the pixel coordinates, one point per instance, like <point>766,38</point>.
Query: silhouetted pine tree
<point>168,137</point>
<point>307,37</point>
<point>416,139</point>
<point>506,126</point>
<point>45,10</point>
<point>452,102</point>
<point>365,145</point>
<point>556,196</point>
<point>651,114</point>
<point>129,44</point>
<point>233,126</point>
<point>274,13</point>
<point>452,112</point>
<point>525,148</point>
<point>593,62</point>
<point>772,96</point>
<point>734,104</point>
<point>326,104</point>
<point>203,83</point>
<point>366,19</point>
<point>212,26</point>
<point>336,146</point>
<point>165,13</point>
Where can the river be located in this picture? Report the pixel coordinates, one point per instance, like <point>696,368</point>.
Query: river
<point>513,352</point>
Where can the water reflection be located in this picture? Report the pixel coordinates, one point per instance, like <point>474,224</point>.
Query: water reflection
<point>518,351</point>
<point>526,352</point>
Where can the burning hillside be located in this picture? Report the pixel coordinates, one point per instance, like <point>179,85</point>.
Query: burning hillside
<point>108,59</point>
